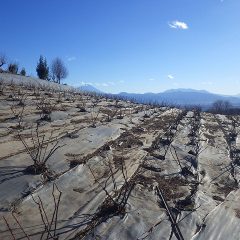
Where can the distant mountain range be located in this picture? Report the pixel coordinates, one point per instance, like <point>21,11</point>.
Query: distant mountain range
<point>183,97</point>
<point>179,96</point>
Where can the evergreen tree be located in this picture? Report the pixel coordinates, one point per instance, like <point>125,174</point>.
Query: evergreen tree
<point>23,72</point>
<point>42,68</point>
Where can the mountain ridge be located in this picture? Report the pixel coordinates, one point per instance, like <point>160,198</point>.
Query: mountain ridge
<point>178,96</point>
<point>182,97</point>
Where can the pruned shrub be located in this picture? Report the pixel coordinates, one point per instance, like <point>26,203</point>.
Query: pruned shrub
<point>46,108</point>
<point>40,149</point>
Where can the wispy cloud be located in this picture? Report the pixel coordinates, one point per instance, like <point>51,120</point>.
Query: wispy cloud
<point>151,79</point>
<point>111,83</point>
<point>86,83</point>
<point>209,83</point>
<point>70,59</point>
<point>178,25</point>
<point>170,76</point>
<point>104,84</point>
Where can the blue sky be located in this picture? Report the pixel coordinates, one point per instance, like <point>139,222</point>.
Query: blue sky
<point>129,45</point>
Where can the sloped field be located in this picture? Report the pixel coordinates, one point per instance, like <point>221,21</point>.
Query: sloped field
<point>78,166</point>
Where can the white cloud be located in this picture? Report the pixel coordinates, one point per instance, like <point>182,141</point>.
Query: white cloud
<point>111,83</point>
<point>151,79</point>
<point>170,76</point>
<point>70,59</point>
<point>207,83</point>
<point>86,83</point>
<point>101,84</point>
<point>178,25</point>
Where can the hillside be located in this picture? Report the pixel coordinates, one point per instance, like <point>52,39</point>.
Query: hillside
<point>79,166</point>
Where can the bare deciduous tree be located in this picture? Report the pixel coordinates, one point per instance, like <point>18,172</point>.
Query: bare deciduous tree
<point>221,107</point>
<point>3,59</point>
<point>13,68</point>
<point>59,71</point>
